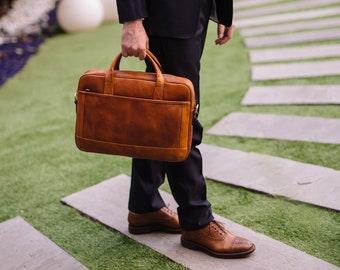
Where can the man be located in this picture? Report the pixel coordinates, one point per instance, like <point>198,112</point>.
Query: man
<point>175,31</point>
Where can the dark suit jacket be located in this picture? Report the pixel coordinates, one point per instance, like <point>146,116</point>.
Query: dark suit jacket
<point>172,18</point>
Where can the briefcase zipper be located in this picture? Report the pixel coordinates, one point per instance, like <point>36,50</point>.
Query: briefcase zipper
<point>196,110</point>
<point>76,95</point>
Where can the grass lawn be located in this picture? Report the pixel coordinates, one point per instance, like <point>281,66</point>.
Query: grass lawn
<point>40,164</point>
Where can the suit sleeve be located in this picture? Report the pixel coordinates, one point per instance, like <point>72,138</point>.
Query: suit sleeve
<point>130,10</point>
<point>222,12</point>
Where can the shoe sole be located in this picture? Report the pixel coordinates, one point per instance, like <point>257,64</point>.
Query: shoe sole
<point>196,246</point>
<point>150,229</point>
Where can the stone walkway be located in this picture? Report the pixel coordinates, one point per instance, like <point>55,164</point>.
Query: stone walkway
<point>295,70</point>
<point>291,26</point>
<point>23,247</point>
<point>288,17</point>
<point>289,95</point>
<point>287,7</point>
<point>99,202</point>
<point>253,3</point>
<point>292,38</point>
<point>294,53</point>
<point>281,127</point>
<point>272,175</point>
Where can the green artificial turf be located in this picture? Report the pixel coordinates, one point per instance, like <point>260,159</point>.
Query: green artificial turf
<point>40,164</point>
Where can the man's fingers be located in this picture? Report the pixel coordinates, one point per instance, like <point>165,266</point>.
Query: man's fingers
<point>220,30</point>
<point>142,55</point>
<point>124,52</point>
<point>224,34</point>
<point>140,52</point>
<point>134,40</point>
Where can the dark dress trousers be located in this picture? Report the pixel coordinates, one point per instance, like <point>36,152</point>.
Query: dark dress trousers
<point>176,31</point>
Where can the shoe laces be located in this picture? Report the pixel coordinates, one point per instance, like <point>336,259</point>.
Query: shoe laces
<point>168,210</point>
<point>218,227</point>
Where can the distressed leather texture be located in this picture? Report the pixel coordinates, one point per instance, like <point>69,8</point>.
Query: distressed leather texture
<point>135,114</point>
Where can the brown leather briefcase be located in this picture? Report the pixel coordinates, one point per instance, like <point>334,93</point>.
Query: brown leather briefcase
<point>133,113</point>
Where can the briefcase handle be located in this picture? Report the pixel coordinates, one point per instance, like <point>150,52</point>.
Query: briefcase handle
<point>159,83</point>
<point>148,52</point>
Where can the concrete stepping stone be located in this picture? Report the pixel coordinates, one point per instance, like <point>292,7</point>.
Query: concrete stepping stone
<point>291,27</point>
<point>287,17</point>
<point>252,3</point>
<point>280,127</point>
<point>292,38</point>
<point>107,201</point>
<point>295,70</point>
<point>295,53</point>
<point>278,8</point>
<point>290,94</point>
<point>273,175</point>
<point>23,247</point>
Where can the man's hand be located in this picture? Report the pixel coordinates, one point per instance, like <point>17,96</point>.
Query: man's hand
<point>134,40</point>
<point>224,33</point>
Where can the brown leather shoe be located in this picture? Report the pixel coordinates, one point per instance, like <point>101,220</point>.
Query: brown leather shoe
<point>216,241</point>
<point>163,220</point>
